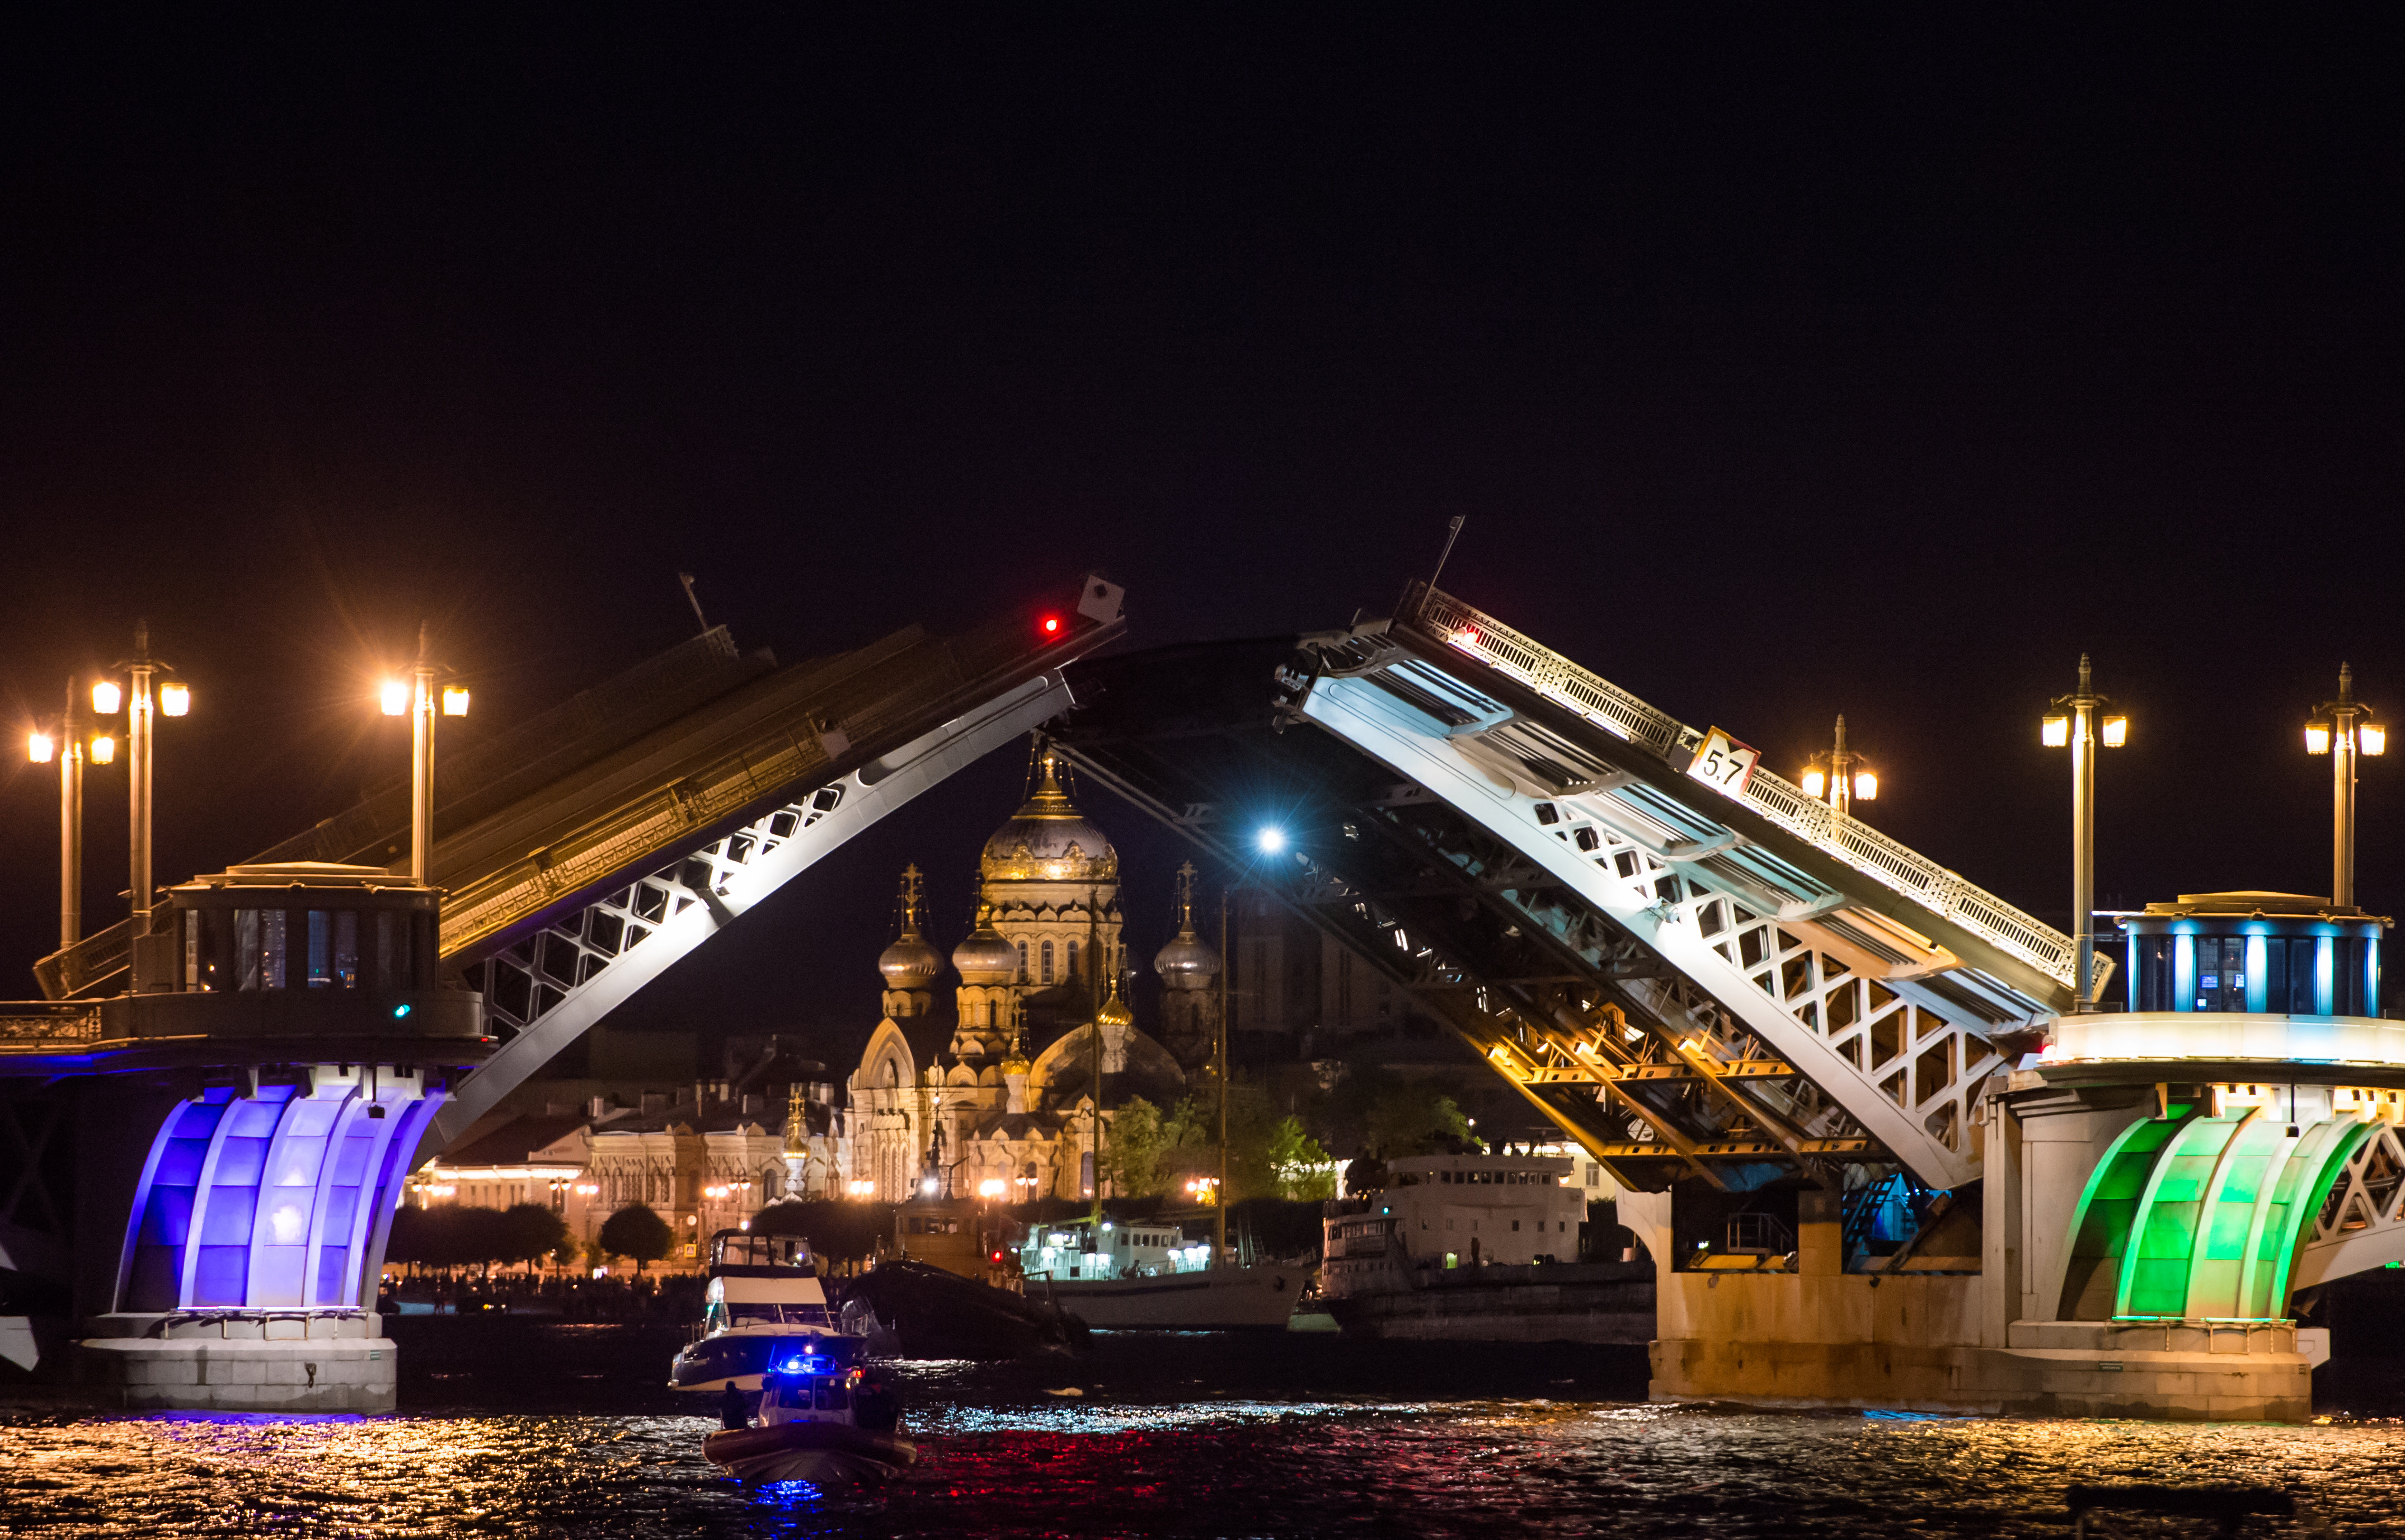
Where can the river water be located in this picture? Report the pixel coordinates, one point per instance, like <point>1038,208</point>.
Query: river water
<point>519,1429</point>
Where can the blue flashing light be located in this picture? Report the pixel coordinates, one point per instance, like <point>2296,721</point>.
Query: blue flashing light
<point>1271,839</point>
<point>399,1010</point>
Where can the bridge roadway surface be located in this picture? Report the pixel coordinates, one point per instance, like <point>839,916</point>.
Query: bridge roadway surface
<point>1697,974</point>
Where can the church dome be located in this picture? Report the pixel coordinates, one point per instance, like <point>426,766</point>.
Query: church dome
<point>1187,962</point>
<point>910,963</point>
<point>985,957</point>
<point>1048,840</point>
<point>1113,1013</point>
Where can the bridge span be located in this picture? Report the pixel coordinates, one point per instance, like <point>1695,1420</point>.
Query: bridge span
<point>1763,1017</point>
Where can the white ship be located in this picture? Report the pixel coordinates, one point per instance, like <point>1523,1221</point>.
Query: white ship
<point>1147,1274</point>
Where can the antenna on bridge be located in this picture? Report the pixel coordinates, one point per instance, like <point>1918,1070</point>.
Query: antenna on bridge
<point>686,578</point>
<point>1453,532</point>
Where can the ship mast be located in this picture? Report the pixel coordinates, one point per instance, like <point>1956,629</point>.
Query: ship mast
<point>1220,1195</point>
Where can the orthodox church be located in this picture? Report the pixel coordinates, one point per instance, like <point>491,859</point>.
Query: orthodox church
<point>1008,1093</point>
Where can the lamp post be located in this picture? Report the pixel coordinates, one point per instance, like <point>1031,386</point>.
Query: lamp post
<point>173,699</point>
<point>2072,722</point>
<point>68,750</point>
<point>415,697</point>
<point>1841,775</point>
<point>2344,729</point>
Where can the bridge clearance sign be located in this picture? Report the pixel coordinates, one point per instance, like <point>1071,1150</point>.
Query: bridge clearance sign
<point>1723,763</point>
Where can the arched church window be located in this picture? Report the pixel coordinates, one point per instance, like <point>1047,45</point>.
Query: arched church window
<point>892,1072</point>
<point>1047,962</point>
<point>1023,962</point>
<point>1073,960</point>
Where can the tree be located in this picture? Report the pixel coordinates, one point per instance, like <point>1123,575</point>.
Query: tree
<point>531,1232</point>
<point>1132,1149</point>
<point>1413,1118</point>
<point>1299,1166</point>
<point>636,1231</point>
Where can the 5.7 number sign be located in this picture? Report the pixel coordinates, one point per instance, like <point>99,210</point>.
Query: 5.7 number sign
<point>1723,763</point>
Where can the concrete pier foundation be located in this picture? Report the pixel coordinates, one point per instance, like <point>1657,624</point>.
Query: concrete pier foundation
<point>1972,1334</point>
<point>239,1364</point>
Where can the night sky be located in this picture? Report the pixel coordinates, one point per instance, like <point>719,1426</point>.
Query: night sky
<point>1785,362</point>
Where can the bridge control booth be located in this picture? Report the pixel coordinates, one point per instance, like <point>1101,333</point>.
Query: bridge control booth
<point>2239,1122</point>
<point>243,1115</point>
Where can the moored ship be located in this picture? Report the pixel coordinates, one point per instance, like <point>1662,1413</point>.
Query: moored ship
<point>1478,1248</point>
<point>1145,1274</point>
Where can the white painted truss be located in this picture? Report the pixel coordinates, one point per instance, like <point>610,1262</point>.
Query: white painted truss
<point>1896,866</point>
<point>2361,1224</point>
<point>1850,998</point>
<point>553,985</point>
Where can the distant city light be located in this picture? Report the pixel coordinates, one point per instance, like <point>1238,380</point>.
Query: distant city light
<point>990,1188</point>
<point>928,1187</point>
<point>1052,625</point>
<point>400,1011</point>
<point>1271,839</point>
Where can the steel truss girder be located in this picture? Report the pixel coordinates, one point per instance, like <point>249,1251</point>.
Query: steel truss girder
<point>2361,1224</point>
<point>551,986</point>
<point>1902,1071</point>
<point>1400,880</point>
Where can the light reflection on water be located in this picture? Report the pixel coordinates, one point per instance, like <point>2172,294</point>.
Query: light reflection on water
<point>1163,1446</point>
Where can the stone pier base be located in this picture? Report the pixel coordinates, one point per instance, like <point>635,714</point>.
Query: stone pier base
<point>1896,1354</point>
<point>239,1364</point>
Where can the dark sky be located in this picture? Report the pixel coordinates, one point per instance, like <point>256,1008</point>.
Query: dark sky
<point>1785,362</point>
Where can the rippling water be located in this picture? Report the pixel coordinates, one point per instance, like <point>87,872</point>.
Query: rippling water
<point>1171,1435</point>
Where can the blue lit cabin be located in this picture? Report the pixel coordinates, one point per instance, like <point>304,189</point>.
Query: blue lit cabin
<point>2276,953</point>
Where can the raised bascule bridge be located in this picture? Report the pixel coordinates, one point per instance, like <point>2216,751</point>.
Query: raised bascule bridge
<point>1876,1155</point>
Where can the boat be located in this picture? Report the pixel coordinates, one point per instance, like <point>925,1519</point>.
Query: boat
<point>823,1418</point>
<point>915,1310</point>
<point>1477,1248</point>
<point>763,1302</point>
<point>1146,1275</point>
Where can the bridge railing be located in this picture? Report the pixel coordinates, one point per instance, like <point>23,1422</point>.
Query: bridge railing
<point>1857,844</point>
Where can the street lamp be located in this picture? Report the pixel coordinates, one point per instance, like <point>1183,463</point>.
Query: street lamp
<point>175,699</point>
<point>2072,723</point>
<point>1841,775</point>
<point>2344,729</point>
<point>416,696</point>
<point>68,744</point>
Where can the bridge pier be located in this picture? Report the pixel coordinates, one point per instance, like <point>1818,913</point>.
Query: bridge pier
<point>214,1157</point>
<point>1987,1333</point>
<point>239,1362</point>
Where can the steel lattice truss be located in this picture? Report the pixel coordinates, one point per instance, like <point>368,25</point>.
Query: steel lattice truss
<point>539,974</point>
<point>547,988</point>
<point>1654,1071</point>
<point>2361,1224</point>
<point>1861,1005</point>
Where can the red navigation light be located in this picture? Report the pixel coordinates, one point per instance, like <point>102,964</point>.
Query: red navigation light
<point>997,1256</point>
<point>1052,625</point>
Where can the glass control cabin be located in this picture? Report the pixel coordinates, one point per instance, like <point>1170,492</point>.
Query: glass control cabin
<point>2276,953</point>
